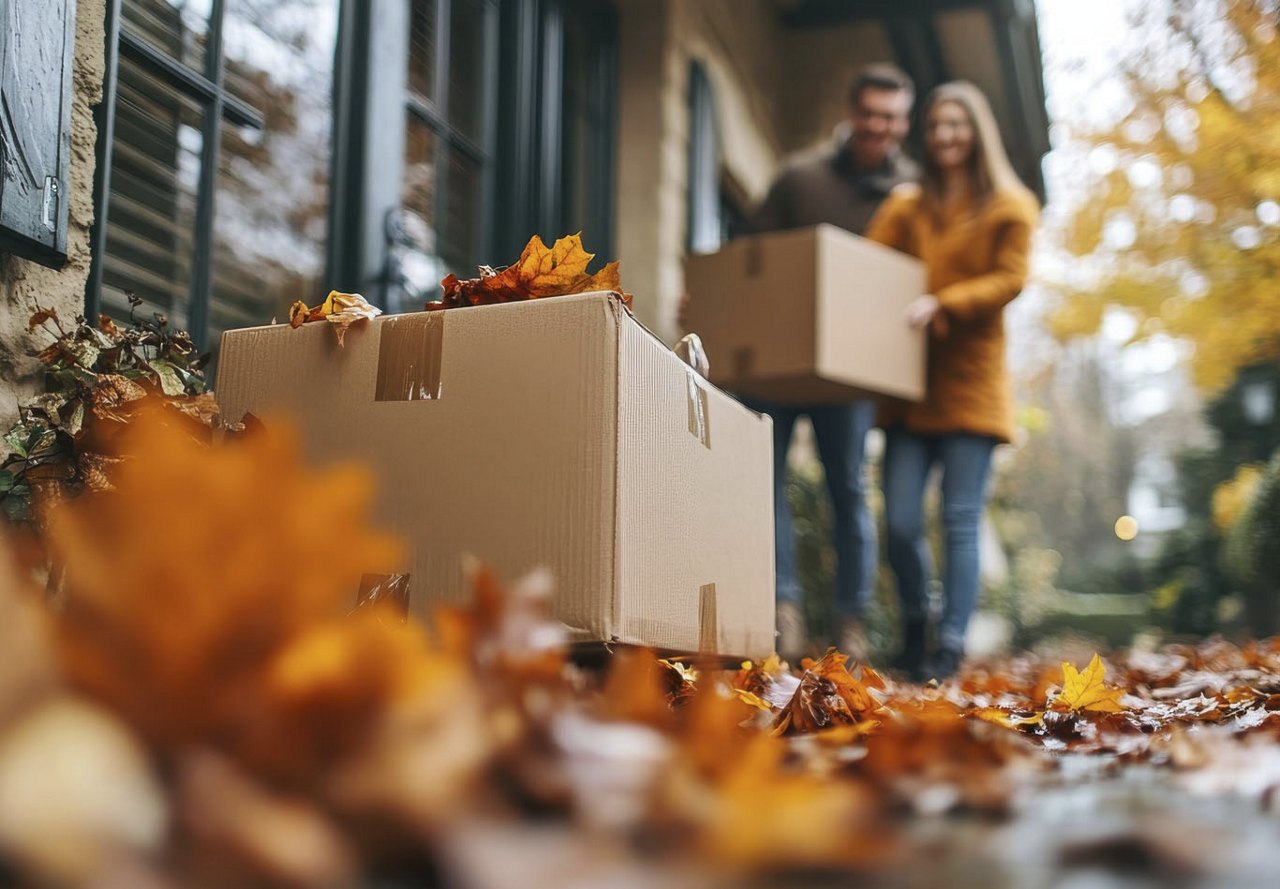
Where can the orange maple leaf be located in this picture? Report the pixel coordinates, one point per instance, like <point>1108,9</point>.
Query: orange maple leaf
<point>1086,691</point>
<point>828,696</point>
<point>187,581</point>
<point>541,271</point>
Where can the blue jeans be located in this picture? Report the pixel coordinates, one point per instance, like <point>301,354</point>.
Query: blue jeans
<point>840,432</point>
<point>966,464</point>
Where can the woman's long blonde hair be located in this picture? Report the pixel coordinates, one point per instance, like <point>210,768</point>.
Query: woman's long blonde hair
<point>989,170</point>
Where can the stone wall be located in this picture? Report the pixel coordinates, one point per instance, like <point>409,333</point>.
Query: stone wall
<point>23,283</point>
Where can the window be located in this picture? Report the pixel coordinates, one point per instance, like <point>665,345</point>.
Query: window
<point>214,155</point>
<point>557,91</point>
<point>448,158</point>
<point>495,153</point>
<point>715,199</point>
<point>706,230</point>
<point>586,185</point>
<point>37,41</point>
<point>253,152</point>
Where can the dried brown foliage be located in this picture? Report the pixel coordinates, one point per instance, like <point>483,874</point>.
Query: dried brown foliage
<point>540,271</point>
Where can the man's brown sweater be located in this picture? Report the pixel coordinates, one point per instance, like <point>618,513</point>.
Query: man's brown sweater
<point>829,188</point>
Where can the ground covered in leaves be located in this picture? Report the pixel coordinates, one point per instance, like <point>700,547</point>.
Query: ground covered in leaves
<point>208,702</point>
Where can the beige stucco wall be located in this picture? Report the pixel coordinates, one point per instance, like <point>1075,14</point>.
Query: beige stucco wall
<point>735,41</point>
<point>24,283</point>
<point>777,91</point>
<point>820,64</point>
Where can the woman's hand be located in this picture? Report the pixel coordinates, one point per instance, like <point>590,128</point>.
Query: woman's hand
<point>922,310</point>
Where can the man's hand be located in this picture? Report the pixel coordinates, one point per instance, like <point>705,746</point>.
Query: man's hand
<point>922,310</point>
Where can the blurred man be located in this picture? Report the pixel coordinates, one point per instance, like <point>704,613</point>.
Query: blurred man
<point>844,187</point>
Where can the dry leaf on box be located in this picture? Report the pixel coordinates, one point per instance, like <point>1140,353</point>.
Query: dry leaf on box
<point>339,309</point>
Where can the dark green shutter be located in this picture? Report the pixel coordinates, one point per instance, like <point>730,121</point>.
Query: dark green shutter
<point>37,43</point>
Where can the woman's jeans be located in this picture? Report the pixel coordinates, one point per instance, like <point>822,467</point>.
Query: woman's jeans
<point>840,432</point>
<point>966,462</point>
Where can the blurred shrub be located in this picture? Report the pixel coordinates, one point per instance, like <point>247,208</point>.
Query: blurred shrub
<point>1232,497</point>
<point>1252,553</point>
<point>815,561</point>
<point>1185,581</point>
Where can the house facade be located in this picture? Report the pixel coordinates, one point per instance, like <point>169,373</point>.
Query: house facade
<point>218,159</point>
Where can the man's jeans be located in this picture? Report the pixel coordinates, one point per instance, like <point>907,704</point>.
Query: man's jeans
<point>840,432</point>
<point>966,463</point>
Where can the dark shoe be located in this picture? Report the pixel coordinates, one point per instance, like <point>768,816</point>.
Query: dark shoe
<point>911,660</point>
<point>945,663</point>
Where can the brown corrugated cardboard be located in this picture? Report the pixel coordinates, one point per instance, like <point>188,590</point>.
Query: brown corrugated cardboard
<point>557,433</point>
<point>808,316</point>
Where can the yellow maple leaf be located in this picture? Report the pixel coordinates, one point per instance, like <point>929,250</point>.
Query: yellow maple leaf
<point>753,700</point>
<point>1086,691</point>
<point>340,309</point>
<point>552,272</point>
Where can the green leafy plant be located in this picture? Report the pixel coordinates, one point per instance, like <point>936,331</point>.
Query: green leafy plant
<point>95,377</point>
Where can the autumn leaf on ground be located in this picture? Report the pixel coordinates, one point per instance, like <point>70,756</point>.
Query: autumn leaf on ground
<point>185,583</point>
<point>1007,718</point>
<point>1086,691</point>
<point>767,681</point>
<point>541,271</point>
<point>828,696</point>
<point>681,680</point>
<point>339,309</point>
<point>634,690</point>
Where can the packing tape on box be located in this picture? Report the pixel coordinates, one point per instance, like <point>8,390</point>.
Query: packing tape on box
<point>708,620</point>
<point>699,409</point>
<point>385,590</point>
<point>409,354</point>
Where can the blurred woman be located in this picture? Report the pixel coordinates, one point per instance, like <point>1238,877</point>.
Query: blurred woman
<point>970,220</point>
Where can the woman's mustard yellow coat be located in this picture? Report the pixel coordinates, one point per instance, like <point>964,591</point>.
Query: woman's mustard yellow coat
<point>976,258</point>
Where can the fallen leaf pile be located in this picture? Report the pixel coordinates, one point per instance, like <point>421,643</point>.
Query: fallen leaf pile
<point>207,706</point>
<point>540,271</point>
<point>97,375</point>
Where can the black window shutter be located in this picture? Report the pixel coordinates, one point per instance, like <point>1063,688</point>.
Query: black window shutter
<point>37,43</point>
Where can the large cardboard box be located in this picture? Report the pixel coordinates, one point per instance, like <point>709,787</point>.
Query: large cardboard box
<point>556,433</point>
<point>814,315</point>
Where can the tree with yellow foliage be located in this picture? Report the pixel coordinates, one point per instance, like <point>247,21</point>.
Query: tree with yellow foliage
<point>1178,218</point>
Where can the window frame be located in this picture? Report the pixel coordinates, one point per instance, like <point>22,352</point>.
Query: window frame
<point>207,88</point>
<point>704,202</point>
<point>521,154</point>
<point>436,117</point>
